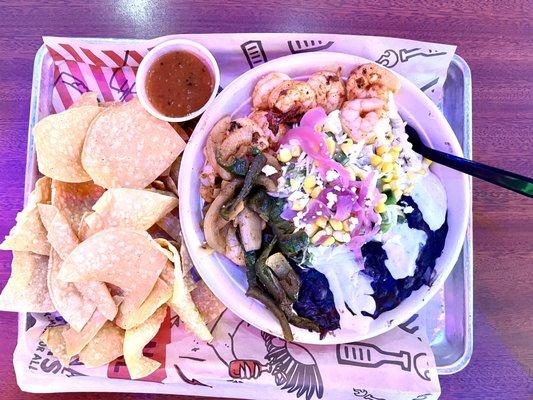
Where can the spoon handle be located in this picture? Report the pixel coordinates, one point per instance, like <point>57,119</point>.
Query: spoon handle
<point>509,180</point>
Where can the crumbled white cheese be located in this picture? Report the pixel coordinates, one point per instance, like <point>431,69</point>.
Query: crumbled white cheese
<point>331,175</point>
<point>269,170</point>
<point>332,199</point>
<point>294,196</point>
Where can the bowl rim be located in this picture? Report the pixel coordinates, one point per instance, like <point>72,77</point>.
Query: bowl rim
<point>164,48</point>
<point>245,311</point>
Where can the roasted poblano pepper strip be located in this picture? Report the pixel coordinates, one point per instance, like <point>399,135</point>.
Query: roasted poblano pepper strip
<point>257,294</point>
<point>237,166</point>
<point>256,166</point>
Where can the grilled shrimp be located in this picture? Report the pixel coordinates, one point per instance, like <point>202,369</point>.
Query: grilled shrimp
<point>371,80</point>
<point>264,86</point>
<point>292,97</point>
<point>360,116</point>
<point>272,132</point>
<point>239,138</point>
<point>329,89</point>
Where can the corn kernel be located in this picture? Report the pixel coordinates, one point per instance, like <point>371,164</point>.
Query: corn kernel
<point>380,208</point>
<point>309,183</point>
<point>331,145</point>
<point>387,167</point>
<point>284,155</point>
<point>341,236</point>
<point>316,192</point>
<point>328,229</point>
<point>375,160</point>
<point>421,171</point>
<point>299,204</point>
<point>311,229</point>
<point>382,150</point>
<point>335,224</point>
<point>346,225</point>
<point>397,169</point>
<point>382,198</point>
<point>387,158</point>
<point>329,241</point>
<point>397,193</point>
<point>317,236</point>
<point>427,161</point>
<point>387,178</point>
<point>321,222</point>
<point>386,186</point>
<point>296,151</point>
<point>394,185</point>
<point>348,148</point>
<point>351,171</point>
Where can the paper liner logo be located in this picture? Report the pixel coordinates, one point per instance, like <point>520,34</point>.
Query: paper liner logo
<point>368,355</point>
<point>42,359</point>
<point>305,46</point>
<point>291,365</point>
<point>391,57</point>
<point>254,52</point>
<point>155,349</point>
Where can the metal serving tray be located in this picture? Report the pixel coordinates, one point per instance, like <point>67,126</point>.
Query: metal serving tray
<point>448,316</point>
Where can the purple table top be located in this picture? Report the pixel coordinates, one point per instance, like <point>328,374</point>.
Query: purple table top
<point>494,40</point>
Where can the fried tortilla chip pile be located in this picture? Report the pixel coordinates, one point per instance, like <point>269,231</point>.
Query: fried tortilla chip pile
<point>98,239</point>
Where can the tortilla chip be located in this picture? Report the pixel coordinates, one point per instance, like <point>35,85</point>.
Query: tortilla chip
<point>129,259</point>
<point>26,290</point>
<point>76,341</point>
<point>53,338</point>
<point>129,317</point>
<point>68,301</point>
<point>61,236</point>
<point>86,99</point>
<point>129,208</point>
<point>136,339</point>
<point>59,141</point>
<point>208,304</point>
<point>181,301</point>
<point>128,147</point>
<point>75,199</point>
<point>47,212</point>
<point>186,267</point>
<point>99,295</point>
<point>29,233</point>
<point>170,223</point>
<point>106,346</point>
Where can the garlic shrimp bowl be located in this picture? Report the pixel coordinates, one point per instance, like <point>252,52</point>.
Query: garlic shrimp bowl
<point>304,207</point>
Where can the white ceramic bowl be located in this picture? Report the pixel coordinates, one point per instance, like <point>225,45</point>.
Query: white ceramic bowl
<point>228,281</point>
<point>166,47</point>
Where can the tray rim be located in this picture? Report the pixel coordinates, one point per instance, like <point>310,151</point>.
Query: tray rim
<point>468,251</point>
<point>449,369</point>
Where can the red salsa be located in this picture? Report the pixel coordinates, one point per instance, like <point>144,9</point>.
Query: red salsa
<point>178,84</point>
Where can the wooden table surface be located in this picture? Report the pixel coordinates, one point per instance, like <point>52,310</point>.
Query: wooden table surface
<point>496,39</point>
